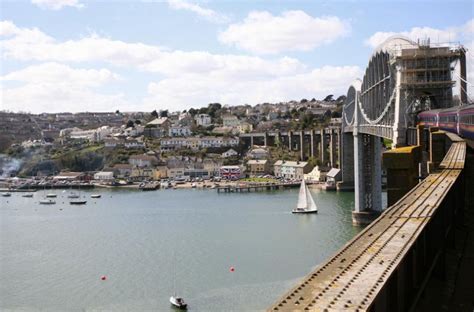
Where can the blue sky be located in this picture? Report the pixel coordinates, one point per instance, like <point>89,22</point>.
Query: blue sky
<point>74,55</point>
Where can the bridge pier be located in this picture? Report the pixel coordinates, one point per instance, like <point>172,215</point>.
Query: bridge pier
<point>302,145</point>
<point>368,178</point>
<point>290,141</point>
<point>332,148</point>
<point>322,149</point>
<point>347,164</point>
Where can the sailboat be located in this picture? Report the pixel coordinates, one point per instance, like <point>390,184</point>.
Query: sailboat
<point>47,198</point>
<point>77,201</point>
<point>305,203</point>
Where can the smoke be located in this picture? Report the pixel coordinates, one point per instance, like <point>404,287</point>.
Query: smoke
<point>8,166</point>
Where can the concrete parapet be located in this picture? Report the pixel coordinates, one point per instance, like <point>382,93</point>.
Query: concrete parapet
<point>437,149</point>
<point>401,165</point>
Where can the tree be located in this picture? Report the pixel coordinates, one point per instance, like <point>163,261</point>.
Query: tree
<point>192,112</point>
<point>130,124</point>
<point>335,114</point>
<point>304,101</point>
<point>164,113</point>
<point>329,98</point>
<point>154,114</point>
<point>117,112</point>
<point>138,122</point>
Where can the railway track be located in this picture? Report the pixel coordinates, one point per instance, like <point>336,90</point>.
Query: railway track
<point>353,277</point>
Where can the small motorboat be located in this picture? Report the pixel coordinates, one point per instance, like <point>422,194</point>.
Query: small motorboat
<point>73,195</point>
<point>28,195</point>
<point>96,196</point>
<point>178,302</point>
<point>51,195</point>
<point>193,185</point>
<point>6,194</point>
<point>78,202</point>
<point>47,202</point>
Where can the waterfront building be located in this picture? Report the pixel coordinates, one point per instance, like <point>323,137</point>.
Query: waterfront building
<point>105,176</point>
<point>230,172</point>
<point>316,175</point>
<point>123,170</point>
<point>257,167</point>
<point>68,176</point>
<point>291,169</point>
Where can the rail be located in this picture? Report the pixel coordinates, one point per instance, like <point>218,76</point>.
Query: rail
<point>358,274</point>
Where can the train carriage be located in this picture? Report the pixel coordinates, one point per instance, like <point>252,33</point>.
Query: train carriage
<point>429,118</point>
<point>466,122</point>
<point>448,120</point>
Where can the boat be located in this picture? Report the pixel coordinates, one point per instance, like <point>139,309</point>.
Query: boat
<point>47,202</point>
<point>178,302</point>
<point>193,185</point>
<point>96,196</point>
<point>51,195</point>
<point>78,202</point>
<point>305,203</point>
<point>6,194</point>
<point>28,195</point>
<point>73,195</point>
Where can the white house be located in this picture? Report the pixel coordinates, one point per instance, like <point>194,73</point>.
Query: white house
<point>179,131</point>
<point>203,120</point>
<point>230,121</point>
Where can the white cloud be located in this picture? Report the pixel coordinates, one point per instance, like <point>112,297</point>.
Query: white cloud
<point>57,4</point>
<point>261,32</point>
<point>188,78</point>
<point>450,34</point>
<point>53,87</point>
<point>205,13</point>
<point>189,90</point>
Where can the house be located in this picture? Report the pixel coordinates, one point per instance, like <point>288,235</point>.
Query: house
<point>333,176</point>
<point>316,175</point>
<point>105,176</point>
<point>142,160</point>
<point>230,121</point>
<point>123,170</point>
<point>203,120</point>
<point>179,131</point>
<point>291,169</point>
<point>157,128</point>
<point>257,153</point>
<point>213,166</point>
<point>245,127</point>
<point>134,144</point>
<point>231,152</point>
<point>161,172</point>
<point>257,167</point>
<point>230,172</point>
<point>177,172</point>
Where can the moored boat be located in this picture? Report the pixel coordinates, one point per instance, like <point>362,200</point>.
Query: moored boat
<point>305,203</point>
<point>6,194</point>
<point>28,195</point>
<point>47,202</point>
<point>73,195</point>
<point>78,202</point>
<point>96,196</point>
<point>51,195</point>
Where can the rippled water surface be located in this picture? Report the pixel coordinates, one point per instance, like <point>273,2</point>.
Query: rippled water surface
<point>145,242</point>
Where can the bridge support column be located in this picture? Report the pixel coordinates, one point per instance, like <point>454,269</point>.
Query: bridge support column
<point>311,143</point>
<point>251,141</point>
<point>265,139</point>
<point>347,165</point>
<point>368,178</point>
<point>332,148</point>
<point>302,145</point>
<point>402,171</point>
<point>290,142</point>
<point>322,149</point>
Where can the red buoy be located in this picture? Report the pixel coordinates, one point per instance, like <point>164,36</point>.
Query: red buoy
<point>103,277</point>
<point>232,269</point>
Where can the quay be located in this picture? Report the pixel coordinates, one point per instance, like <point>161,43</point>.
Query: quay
<point>255,187</point>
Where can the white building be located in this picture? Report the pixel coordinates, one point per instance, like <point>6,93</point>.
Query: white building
<point>104,176</point>
<point>230,121</point>
<point>203,120</point>
<point>179,131</point>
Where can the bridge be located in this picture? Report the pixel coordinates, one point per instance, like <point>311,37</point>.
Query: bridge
<point>386,267</point>
<point>322,143</point>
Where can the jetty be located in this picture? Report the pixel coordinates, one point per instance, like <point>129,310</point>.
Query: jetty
<point>257,187</point>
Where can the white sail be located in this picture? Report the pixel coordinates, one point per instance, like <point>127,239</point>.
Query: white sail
<point>312,204</point>
<point>302,197</point>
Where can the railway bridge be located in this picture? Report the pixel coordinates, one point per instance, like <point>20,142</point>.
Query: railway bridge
<point>387,266</point>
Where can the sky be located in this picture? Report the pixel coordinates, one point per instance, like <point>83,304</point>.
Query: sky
<point>79,55</point>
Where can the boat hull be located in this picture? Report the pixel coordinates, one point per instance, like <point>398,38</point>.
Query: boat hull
<point>304,211</point>
<point>47,202</point>
<point>96,196</point>
<point>81,202</point>
<point>178,305</point>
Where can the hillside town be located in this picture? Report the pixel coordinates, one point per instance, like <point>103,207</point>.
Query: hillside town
<point>136,148</point>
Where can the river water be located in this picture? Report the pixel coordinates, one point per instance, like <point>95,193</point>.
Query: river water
<point>149,244</point>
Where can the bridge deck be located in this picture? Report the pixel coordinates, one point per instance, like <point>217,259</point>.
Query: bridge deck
<point>352,278</point>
